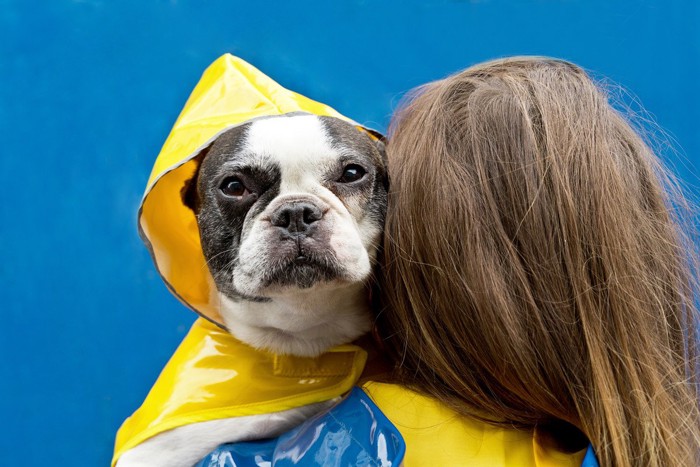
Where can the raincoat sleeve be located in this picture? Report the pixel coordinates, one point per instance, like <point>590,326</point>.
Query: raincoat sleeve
<point>212,376</point>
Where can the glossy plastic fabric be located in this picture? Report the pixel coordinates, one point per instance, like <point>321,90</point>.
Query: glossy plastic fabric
<point>436,435</point>
<point>353,433</point>
<point>390,425</point>
<point>230,92</point>
<point>213,376</point>
<point>590,460</point>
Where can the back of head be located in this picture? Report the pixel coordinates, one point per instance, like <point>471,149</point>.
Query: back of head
<point>534,270</point>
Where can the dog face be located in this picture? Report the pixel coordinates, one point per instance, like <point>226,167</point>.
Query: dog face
<point>287,204</point>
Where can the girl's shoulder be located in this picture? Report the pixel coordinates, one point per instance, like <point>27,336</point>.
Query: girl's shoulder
<point>436,435</point>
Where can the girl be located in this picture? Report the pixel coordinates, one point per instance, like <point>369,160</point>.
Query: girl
<point>535,275</point>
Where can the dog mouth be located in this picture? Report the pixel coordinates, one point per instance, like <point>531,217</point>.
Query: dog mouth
<point>302,269</point>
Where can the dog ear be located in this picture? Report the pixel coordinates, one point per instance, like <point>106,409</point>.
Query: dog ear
<point>380,144</point>
<point>381,147</point>
<point>188,192</point>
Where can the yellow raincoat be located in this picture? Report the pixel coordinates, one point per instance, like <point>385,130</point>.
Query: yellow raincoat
<point>212,375</point>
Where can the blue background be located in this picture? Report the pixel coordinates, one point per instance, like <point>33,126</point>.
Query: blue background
<point>89,90</point>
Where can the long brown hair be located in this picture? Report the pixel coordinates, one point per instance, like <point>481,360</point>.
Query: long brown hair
<point>535,272</point>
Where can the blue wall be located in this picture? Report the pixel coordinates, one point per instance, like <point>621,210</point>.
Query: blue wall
<point>89,90</point>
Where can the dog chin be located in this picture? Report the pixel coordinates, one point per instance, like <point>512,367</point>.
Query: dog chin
<point>300,273</point>
<point>284,343</point>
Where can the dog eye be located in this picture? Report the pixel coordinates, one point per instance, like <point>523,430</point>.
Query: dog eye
<point>234,187</point>
<point>352,173</point>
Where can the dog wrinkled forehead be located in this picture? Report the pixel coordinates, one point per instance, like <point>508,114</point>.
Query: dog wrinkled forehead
<point>298,146</point>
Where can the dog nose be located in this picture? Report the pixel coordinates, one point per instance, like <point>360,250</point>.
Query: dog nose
<point>296,217</point>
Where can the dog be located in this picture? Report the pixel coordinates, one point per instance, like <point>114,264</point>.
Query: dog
<point>290,211</point>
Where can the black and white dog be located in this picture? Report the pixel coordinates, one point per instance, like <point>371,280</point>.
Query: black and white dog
<point>290,212</point>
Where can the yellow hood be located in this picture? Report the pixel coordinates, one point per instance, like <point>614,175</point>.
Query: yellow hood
<point>230,93</point>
